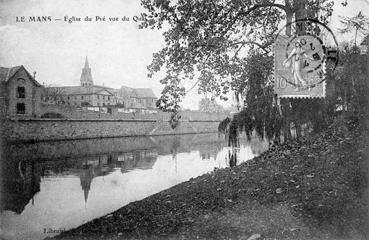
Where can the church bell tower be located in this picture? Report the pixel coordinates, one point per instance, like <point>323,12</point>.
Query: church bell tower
<point>86,77</point>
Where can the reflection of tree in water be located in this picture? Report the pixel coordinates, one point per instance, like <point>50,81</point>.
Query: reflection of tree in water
<point>205,156</point>
<point>208,152</point>
<point>185,143</point>
<point>175,145</point>
<point>20,181</point>
<point>258,145</point>
<point>232,156</point>
<point>18,191</point>
<point>143,159</point>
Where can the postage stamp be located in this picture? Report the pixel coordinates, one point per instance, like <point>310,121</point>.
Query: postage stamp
<point>301,60</point>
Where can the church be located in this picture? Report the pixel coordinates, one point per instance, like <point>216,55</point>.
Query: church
<point>90,95</point>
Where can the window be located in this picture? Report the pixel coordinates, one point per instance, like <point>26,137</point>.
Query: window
<point>68,98</point>
<point>82,97</point>
<point>21,108</point>
<point>98,97</point>
<point>109,98</point>
<point>21,92</point>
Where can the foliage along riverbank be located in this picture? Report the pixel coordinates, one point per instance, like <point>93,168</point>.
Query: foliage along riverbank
<point>316,188</point>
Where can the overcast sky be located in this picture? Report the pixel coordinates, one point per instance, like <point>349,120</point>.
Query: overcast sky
<point>118,52</point>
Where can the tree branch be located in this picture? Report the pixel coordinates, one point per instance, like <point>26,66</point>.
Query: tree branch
<point>257,6</point>
<point>263,47</point>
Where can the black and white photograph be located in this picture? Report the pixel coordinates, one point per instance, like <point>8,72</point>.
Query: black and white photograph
<point>184,119</point>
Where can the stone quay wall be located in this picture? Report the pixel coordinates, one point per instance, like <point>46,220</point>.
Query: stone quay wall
<point>67,129</point>
<point>69,112</point>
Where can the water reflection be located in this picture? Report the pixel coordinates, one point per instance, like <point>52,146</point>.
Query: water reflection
<point>19,184</point>
<point>232,155</point>
<point>60,185</point>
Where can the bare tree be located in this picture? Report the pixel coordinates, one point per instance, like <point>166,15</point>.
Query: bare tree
<point>358,23</point>
<point>52,94</point>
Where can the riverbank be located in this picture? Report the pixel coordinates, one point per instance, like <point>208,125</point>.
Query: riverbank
<point>316,188</point>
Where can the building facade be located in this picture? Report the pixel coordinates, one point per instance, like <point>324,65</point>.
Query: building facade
<point>90,95</point>
<point>137,98</point>
<point>20,93</point>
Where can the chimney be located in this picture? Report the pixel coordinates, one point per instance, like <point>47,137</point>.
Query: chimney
<point>34,74</point>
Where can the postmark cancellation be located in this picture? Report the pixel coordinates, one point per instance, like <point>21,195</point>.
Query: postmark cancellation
<point>301,60</point>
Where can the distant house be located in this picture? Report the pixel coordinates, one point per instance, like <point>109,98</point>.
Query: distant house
<point>137,98</point>
<point>144,97</point>
<point>124,97</point>
<point>20,93</point>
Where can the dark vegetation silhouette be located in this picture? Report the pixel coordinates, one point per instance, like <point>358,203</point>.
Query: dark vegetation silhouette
<point>228,47</point>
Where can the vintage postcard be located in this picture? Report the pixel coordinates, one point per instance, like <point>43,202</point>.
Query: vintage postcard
<point>184,119</point>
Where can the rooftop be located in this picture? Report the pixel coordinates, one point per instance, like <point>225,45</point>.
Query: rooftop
<point>144,93</point>
<point>79,90</point>
<point>8,73</point>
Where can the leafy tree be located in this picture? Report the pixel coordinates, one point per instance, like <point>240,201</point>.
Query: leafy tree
<point>207,37</point>
<point>351,85</point>
<point>53,94</point>
<point>219,41</point>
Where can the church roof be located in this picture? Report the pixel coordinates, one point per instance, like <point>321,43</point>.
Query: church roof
<point>95,89</point>
<point>104,87</point>
<point>86,63</point>
<point>127,91</point>
<point>86,76</point>
<point>8,73</point>
<point>144,93</point>
<point>79,90</point>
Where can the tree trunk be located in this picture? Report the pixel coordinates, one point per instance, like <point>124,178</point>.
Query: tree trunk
<point>286,111</point>
<point>299,9</point>
<point>296,105</point>
<point>285,103</point>
<point>289,15</point>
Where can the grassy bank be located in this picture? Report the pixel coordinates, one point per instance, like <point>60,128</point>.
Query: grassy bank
<point>316,188</point>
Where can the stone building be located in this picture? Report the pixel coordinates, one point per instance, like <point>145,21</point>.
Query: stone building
<point>145,98</point>
<point>89,94</point>
<point>83,96</point>
<point>20,93</point>
<point>136,98</point>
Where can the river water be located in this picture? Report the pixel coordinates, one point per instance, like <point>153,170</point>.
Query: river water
<point>48,187</point>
